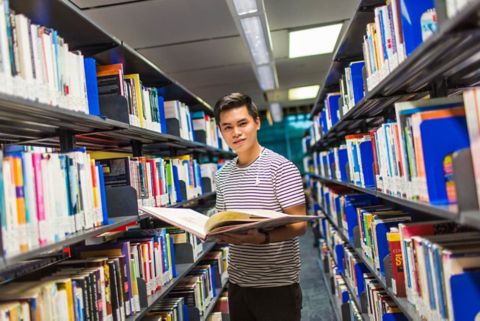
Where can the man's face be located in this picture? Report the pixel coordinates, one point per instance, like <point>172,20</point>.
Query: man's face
<point>239,129</point>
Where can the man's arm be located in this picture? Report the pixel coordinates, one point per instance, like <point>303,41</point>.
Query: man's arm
<point>278,234</point>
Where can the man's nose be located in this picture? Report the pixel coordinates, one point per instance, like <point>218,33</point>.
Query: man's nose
<point>236,131</point>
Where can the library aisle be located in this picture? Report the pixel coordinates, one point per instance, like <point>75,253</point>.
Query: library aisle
<point>316,304</point>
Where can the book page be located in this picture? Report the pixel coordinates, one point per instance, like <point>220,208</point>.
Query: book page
<point>261,213</point>
<point>186,219</point>
<point>265,224</point>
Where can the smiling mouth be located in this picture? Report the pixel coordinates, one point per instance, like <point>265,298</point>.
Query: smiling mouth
<point>239,141</point>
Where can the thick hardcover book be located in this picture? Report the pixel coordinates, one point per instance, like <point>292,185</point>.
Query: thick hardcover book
<point>233,221</point>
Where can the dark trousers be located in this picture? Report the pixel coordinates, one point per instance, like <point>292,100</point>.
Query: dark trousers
<point>282,303</point>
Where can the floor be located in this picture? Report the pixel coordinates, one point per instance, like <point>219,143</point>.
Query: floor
<point>316,304</point>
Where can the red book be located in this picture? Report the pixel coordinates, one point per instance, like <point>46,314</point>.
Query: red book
<point>398,275</point>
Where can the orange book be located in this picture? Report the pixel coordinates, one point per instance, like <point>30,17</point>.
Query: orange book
<point>20,201</point>
<point>109,70</point>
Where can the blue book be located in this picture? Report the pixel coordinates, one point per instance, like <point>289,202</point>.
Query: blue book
<point>342,163</point>
<point>360,269</point>
<point>465,295</point>
<point>176,182</point>
<point>352,202</point>
<point>103,193</point>
<point>453,134</point>
<point>323,122</point>
<point>411,12</point>
<point>366,154</point>
<point>161,112</point>
<point>340,253</point>
<point>172,252</point>
<point>92,86</point>
<point>356,69</point>
<point>331,103</point>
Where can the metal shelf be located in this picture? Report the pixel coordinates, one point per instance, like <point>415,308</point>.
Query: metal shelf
<point>406,307</point>
<point>445,211</point>
<point>182,271</point>
<point>30,122</point>
<point>6,263</point>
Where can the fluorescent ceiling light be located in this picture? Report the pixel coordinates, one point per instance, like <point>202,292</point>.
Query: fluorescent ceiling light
<point>266,77</point>
<point>276,112</point>
<point>245,6</point>
<point>252,28</point>
<point>314,41</point>
<point>306,92</point>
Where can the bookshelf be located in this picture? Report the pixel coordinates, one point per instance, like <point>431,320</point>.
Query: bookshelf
<point>182,270</point>
<point>95,42</point>
<point>407,308</point>
<point>441,66</point>
<point>29,122</point>
<point>433,63</point>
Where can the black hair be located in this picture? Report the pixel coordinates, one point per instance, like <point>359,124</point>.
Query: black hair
<point>235,100</point>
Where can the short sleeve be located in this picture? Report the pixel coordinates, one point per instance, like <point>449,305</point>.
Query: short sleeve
<point>288,186</point>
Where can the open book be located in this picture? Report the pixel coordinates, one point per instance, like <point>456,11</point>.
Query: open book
<point>233,221</point>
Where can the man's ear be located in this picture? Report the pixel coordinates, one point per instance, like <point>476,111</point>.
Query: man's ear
<point>258,122</point>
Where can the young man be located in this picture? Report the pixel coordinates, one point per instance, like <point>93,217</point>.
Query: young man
<point>264,266</point>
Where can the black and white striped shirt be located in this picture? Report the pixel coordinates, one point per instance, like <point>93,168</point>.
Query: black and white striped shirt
<point>272,182</point>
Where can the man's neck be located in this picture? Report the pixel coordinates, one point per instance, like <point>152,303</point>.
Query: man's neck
<point>249,156</point>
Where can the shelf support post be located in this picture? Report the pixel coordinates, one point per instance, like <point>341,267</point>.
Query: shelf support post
<point>137,148</point>
<point>67,140</point>
<point>439,88</point>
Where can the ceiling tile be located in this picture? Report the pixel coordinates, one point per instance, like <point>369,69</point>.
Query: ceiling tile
<point>216,76</point>
<point>288,14</point>
<point>150,23</point>
<point>199,55</point>
<point>302,71</point>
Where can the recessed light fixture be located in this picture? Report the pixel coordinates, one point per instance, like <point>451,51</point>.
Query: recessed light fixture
<point>313,41</point>
<point>245,6</point>
<point>300,93</point>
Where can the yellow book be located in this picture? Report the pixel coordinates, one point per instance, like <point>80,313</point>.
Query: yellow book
<point>138,97</point>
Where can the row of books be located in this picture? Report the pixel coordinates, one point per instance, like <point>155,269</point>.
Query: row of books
<point>36,62</point>
<point>379,304</point>
<point>402,157</point>
<point>146,106</point>
<point>47,196</point>
<point>100,282</point>
<point>161,181</point>
<point>195,292</point>
<point>431,261</point>
<point>399,27</point>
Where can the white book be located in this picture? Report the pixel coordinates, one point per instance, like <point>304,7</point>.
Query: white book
<point>472,110</point>
<point>24,53</point>
<point>4,48</point>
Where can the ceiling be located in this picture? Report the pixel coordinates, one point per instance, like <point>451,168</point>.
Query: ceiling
<point>196,41</point>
